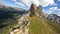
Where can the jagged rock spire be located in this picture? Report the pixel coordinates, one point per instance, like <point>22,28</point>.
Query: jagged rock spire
<point>34,10</point>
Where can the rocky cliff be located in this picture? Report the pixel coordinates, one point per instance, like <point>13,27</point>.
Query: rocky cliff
<point>34,10</point>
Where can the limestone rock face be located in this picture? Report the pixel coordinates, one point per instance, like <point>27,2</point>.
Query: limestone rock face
<point>54,18</point>
<point>34,10</point>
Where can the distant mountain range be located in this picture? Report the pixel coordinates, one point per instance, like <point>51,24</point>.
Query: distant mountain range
<point>10,8</point>
<point>10,12</point>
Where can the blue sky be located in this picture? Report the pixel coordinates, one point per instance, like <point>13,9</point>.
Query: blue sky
<point>57,10</point>
<point>50,6</point>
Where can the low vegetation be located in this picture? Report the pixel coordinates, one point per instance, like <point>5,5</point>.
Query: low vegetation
<point>40,25</point>
<point>43,26</point>
<point>8,19</point>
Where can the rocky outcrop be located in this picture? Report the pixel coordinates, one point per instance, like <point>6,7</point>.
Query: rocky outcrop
<point>22,26</point>
<point>58,20</point>
<point>35,11</point>
<point>54,18</point>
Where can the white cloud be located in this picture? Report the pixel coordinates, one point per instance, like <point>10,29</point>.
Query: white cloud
<point>43,10</point>
<point>58,13</point>
<point>3,3</point>
<point>20,3</point>
<point>53,8</point>
<point>48,11</point>
<point>44,3</point>
<point>58,0</point>
<point>55,4</point>
<point>58,9</point>
<point>26,2</point>
<point>14,0</point>
<point>36,2</point>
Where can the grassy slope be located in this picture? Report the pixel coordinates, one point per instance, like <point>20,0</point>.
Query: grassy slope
<point>9,24</point>
<point>9,19</point>
<point>42,26</point>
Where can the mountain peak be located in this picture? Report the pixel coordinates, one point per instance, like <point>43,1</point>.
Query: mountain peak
<point>34,10</point>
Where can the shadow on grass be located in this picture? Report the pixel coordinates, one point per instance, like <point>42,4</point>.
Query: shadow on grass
<point>3,25</point>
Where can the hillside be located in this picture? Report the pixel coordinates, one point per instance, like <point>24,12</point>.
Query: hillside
<point>40,25</point>
<point>8,18</point>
